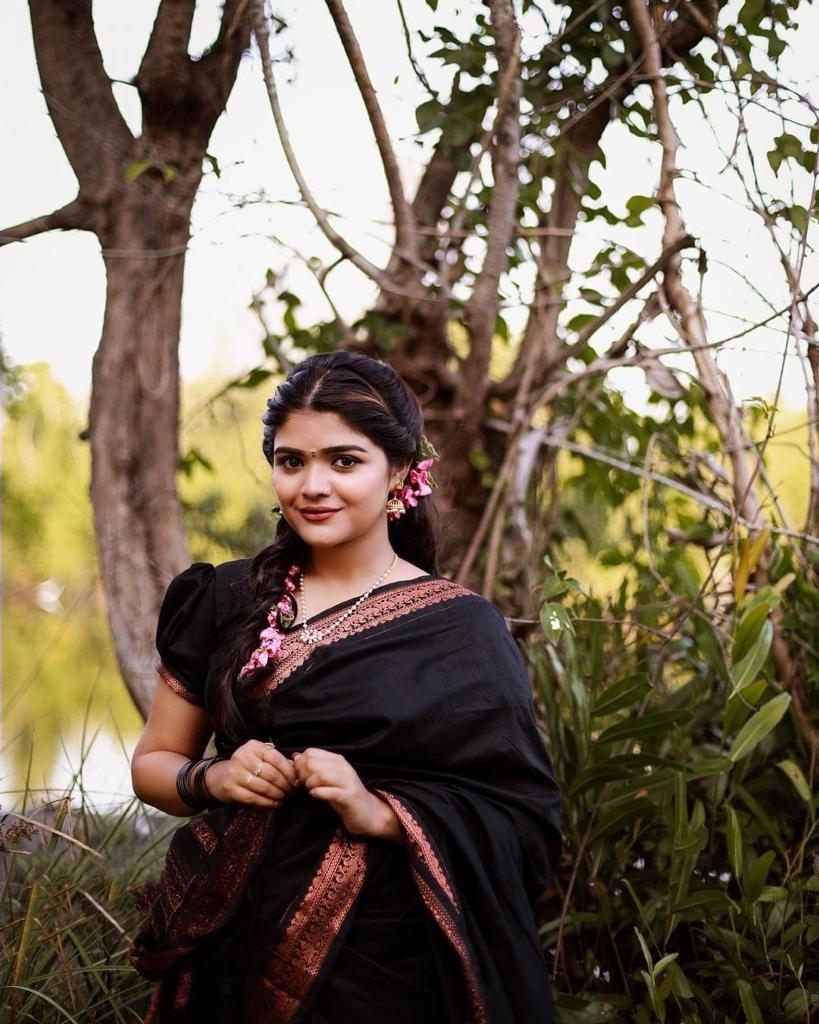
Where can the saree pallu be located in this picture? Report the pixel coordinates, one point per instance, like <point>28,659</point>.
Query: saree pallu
<point>282,916</point>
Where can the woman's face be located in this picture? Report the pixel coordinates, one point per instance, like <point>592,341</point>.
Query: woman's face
<point>355,478</point>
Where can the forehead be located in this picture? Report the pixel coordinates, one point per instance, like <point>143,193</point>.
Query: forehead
<point>312,429</point>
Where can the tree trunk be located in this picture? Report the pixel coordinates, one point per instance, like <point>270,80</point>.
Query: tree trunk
<point>134,418</point>
<point>136,195</point>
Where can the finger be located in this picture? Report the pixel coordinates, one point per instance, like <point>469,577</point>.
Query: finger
<point>256,790</point>
<point>324,777</point>
<point>284,772</point>
<point>326,792</point>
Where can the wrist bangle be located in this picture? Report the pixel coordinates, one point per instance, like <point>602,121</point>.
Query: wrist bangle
<point>191,786</point>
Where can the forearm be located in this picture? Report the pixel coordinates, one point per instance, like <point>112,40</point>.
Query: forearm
<point>388,825</point>
<point>153,776</point>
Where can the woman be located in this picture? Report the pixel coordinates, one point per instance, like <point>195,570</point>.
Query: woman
<point>381,815</point>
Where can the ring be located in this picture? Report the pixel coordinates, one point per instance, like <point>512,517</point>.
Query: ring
<point>258,768</point>
<point>269,745</point>
<point>247,782</point>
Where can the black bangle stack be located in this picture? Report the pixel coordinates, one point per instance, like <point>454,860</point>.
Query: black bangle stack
<point>191,786</point>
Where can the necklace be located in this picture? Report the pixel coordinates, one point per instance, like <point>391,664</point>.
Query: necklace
<point>312,636</point>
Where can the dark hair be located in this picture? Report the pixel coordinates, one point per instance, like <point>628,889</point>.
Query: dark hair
<point>371,398</point>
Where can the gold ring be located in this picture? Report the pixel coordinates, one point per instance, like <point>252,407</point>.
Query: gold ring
<point>258,768</point>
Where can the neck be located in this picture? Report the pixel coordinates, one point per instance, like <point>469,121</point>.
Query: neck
<point>350,565</point>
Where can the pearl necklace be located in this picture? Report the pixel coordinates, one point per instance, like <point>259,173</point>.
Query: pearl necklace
<point>312,636</point>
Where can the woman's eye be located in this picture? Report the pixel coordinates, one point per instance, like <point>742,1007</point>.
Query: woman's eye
<point>285,459</point>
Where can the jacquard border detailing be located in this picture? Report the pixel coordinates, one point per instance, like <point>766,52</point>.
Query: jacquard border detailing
<point>176,686</point>
<point>379,608</point>
<point>311,930</point>
<point>439,897</point>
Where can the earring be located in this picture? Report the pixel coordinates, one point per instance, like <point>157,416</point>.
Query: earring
<point>395,507</point>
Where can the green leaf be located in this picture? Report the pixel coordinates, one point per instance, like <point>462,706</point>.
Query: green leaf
<point>706,899</point>
<point>772,894</point>
<point>637,206</point>
<point>800,783</point>
<point>746,670</point>
<point>733,836</point>
<point>554,619</point>
<point>757,875</point>
<point>759,725</point>
<point>707,766</point>
<point>657,722</point>
<point>694,841</point>
<point>628,691</point>
<point>750,1007</point>
<point>748,630</point>
<point>133,171</point>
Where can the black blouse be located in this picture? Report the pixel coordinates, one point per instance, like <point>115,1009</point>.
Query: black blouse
<point>200,607</point>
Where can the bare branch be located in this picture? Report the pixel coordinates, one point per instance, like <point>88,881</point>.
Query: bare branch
<point>404,221</point>
<point>217,68</point>
<point>72,215</point>
<point>482,307</point>
<point>691,321</point>
<point>320,215</point>
<point>74,82</point>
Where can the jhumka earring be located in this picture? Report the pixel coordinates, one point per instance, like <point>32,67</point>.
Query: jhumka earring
<point>421,481</point>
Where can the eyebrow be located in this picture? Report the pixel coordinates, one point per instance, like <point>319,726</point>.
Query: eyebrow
<point>333,448</point>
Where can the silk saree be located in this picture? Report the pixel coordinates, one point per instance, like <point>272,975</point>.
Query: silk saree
<point>280,915</point>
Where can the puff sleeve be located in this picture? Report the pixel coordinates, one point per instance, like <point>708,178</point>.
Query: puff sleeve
<point>186,631</point>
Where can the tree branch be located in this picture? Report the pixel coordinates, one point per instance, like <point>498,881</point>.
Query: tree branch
<point>320,215</point>
<point>406,241</point>
<point>75,83</point>
<point>482,307</point>
<point>691,321</point>
<point>72,215</point>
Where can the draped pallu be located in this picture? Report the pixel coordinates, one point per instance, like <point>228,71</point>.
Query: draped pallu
<point>266,915</point>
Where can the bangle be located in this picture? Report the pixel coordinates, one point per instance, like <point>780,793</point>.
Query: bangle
<point>191,785</point>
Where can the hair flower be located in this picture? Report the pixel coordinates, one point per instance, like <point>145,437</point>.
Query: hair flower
<point>271,639</point>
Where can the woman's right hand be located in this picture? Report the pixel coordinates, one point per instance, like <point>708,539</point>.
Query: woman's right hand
<point>234,781</point>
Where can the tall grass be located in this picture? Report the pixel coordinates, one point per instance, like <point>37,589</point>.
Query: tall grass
<point>75,885</point>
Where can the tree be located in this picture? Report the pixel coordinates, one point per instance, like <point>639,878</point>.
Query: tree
<point>505,190</point>
<point>136,195</point>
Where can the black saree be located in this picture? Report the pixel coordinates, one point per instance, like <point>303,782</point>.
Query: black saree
<point>280,915</point>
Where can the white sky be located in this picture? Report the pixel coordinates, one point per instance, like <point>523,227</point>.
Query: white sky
<point>52,287</point>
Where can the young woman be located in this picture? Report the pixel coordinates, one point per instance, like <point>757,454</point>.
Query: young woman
<point>381,815</point>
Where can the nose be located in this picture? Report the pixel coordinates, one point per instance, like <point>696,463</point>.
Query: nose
<point>315,479</point>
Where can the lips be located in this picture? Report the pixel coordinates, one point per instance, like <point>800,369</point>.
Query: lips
<point>317,515</point>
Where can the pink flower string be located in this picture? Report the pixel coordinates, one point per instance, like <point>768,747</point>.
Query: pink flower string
<point>272,638</point>
<point>408,494</point>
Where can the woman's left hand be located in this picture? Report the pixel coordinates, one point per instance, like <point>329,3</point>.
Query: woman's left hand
<point>331,777</point>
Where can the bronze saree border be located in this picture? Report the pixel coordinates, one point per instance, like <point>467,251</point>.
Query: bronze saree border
<point>310,932</point>
<point>379,609</point>
<point>175,685</point>
<point>443,904</point>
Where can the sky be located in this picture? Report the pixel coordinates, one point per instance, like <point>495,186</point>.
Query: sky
<point>52,286</point>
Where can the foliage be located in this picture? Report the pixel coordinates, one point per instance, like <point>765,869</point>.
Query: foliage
<point>690,888</point>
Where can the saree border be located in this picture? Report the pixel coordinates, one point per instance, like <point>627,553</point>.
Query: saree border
<point>177,687</point>
<point>310,932</point>
<point>380,608</point>
<point>439,897</point>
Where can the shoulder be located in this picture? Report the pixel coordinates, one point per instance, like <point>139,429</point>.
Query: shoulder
<point>212,590</point>
<point>473,611</point>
